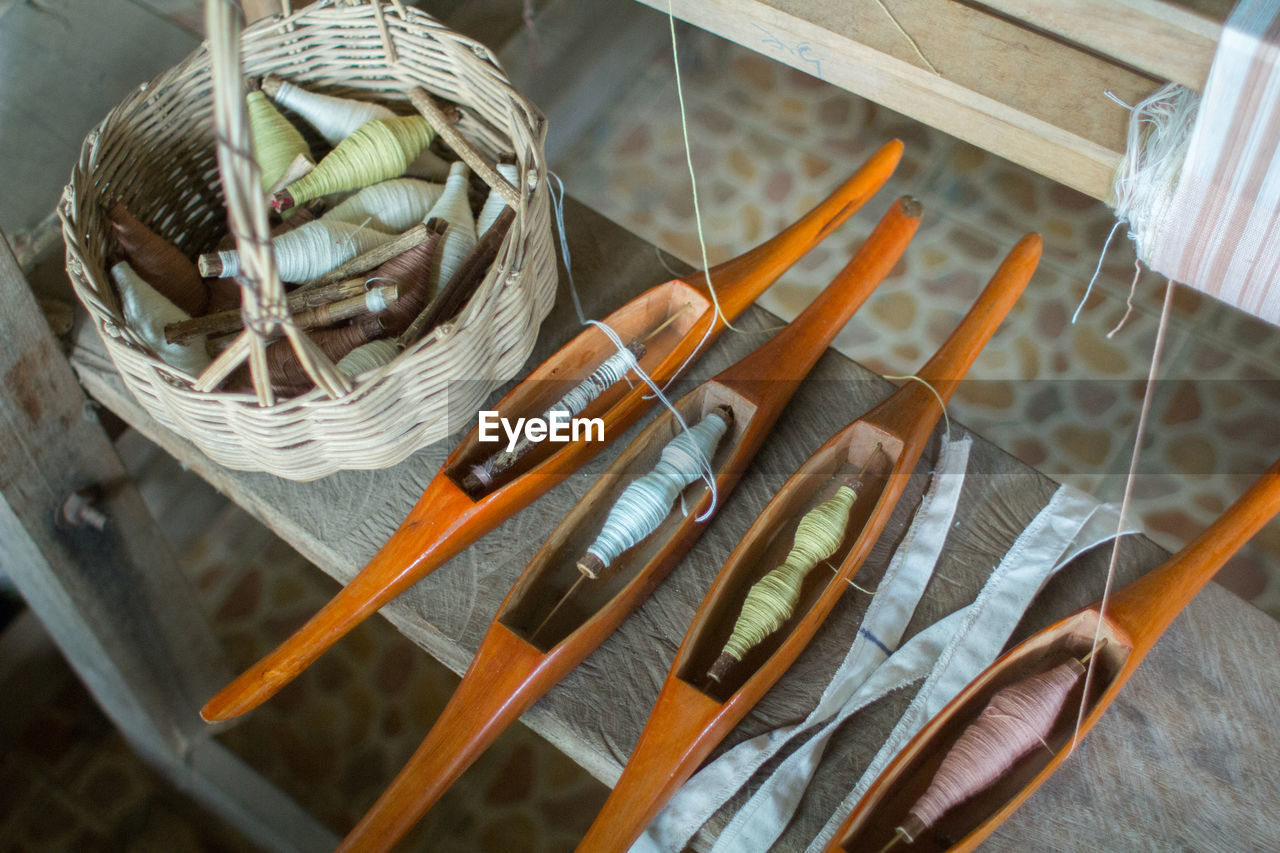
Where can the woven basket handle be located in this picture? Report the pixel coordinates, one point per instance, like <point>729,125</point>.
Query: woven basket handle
<point>263,300</point>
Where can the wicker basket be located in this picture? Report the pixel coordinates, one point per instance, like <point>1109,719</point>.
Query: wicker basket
<point>156,153</point>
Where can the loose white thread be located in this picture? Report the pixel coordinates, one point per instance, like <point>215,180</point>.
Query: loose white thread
<point>1125,501</point>
<point>913,378</point>
<point>1128,303</point>
<point>557,208</point>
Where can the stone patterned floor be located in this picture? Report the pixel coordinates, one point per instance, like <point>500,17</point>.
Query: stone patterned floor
<point>770,141</point>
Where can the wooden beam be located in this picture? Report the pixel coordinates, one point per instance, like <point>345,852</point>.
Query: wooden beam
<point>1171,40</point>
<point>104,583</point>
<point>1012,90</point>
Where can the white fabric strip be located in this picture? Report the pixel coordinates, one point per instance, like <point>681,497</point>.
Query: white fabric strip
<point>1073,522</point>
<point>887,616</point>
<point>1219,230</point>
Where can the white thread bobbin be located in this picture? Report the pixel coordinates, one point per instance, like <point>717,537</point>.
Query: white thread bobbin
<point>368,357</point>
<point>147,312</point>
<point>454,207</point>
<point>306,252</point>
<point>644,504</point>
<point>393,206</point>
<point>495,203</point>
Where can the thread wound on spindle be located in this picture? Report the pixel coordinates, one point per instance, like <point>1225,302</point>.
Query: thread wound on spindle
<point>644,503</point>
<point>1014,722</point>
<point>380,149</point>
<point>158,262</point>
<point>773,598</point>
<point>484,474</point>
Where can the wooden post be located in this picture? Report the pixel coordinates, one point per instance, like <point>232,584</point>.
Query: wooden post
<point>81,547</point>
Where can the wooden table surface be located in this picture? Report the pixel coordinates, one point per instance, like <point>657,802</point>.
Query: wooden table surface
<point>1188,757</point>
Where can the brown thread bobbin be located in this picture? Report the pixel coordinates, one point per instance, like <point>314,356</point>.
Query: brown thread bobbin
<point>1015,721</point>
<point>159,262</point>
<point>410,272</point>
<point>285,368</point>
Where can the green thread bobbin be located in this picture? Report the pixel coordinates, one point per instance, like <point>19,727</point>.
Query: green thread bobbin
<point>379,150</point>
<point>276,142</point>
<point>774,597</point>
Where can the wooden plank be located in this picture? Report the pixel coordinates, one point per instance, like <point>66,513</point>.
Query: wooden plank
<point>1171,40</point>
<point>1011,90</point>
<point>112,596</point>
<point>596,714</point>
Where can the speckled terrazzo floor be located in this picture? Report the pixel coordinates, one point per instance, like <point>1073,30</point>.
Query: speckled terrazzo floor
<point>770,141</point>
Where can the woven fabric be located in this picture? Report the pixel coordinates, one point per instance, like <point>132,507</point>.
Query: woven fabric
<point>1218,232</point>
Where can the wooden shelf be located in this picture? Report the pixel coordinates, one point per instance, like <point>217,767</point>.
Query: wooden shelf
<point>1024,79</point>
<point>1158,729</point>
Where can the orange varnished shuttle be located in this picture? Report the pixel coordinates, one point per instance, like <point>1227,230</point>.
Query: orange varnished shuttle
<point>448,518</point>
<point>694,713</point>
<point>1134,618</point>
<point>533,642</point>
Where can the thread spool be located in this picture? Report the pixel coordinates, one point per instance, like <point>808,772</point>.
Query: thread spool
<point>646,502</point>
<point>276,142</point>
<point>453,296</point>
<point>392,206</point>
<point>368,357</point>
<point>147,311</point>
<point>376,300</point>
<point>337,118</point>
<point>333,117</point>
<point>285,370</point>
<point>158,262</point>
<point>454,208</point>
<point>301,216</point>
<point>304,253</point>
<point>482,476</point>
<point>1014,722</point>
<point>378,150</point>
<point>411,272</point>
<point>772,600</point>
<point>495,203</point>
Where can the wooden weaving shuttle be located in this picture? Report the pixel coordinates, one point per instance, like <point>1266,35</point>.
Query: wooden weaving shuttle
<point>1134,619</point>
<point>521,658</point>
<point>447,518</point>
<point>693,714</point>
